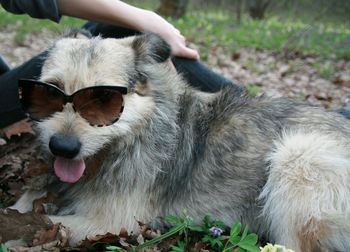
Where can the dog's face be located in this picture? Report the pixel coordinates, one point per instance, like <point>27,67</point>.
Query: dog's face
<point>74,64</point>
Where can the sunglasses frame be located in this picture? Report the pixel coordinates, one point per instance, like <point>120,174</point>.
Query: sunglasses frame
<point>69,98</point>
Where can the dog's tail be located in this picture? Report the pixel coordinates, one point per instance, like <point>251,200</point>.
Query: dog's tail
<point>307,194</point>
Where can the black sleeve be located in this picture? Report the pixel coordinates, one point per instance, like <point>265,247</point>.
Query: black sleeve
<point>46,9</point>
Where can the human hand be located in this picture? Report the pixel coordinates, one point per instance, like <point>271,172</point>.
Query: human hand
<point>157,24</point>
<point>120,13</point>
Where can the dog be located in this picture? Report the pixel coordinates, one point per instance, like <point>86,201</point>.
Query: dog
<point>281,167</point>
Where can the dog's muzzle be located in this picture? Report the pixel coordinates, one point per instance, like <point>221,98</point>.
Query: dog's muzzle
<point>64,146</point>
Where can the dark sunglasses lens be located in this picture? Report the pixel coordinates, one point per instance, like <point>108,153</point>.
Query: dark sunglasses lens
<point>40,100</point>
<point>99,106</point>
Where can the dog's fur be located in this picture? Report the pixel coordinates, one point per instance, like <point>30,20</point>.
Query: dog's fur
<point>279,166</point>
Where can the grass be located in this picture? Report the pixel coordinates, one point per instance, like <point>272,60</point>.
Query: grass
<point>326,71</point>
<point>219,28</point>
<point>273,33</point>
<point>24,25</point>
<point>253,90</point>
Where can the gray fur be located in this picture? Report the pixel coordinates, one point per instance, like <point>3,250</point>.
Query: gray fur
<point>206,153</point>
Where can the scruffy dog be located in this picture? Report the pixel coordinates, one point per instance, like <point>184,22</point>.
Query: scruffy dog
<point>146,144</point>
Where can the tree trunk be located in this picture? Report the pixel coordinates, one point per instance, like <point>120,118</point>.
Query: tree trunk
<point>257,8</point>
<point>172,8</point>
<point>239,4</point>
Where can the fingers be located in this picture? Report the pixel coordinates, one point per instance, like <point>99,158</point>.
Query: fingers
<point>174,38</point>
<point>187,52</point>
<point>179,48</point>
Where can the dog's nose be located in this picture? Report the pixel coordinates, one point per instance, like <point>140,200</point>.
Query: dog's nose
<point>64,146</point>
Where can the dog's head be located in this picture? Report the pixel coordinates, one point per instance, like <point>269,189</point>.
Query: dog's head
<point>74,64</point>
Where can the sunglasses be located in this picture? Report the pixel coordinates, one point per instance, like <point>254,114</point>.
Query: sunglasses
<point>99,105</point>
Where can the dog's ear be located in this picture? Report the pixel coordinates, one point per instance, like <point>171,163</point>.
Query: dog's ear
<point>150,48</point>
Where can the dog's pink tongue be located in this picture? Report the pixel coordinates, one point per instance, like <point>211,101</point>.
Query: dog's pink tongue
<point>69,170</point>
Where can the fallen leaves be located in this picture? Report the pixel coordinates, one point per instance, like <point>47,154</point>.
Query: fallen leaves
<point>315,80</point>
<point>30,229</point>
<point>21,231</point>
<point>20,165</point>
<point>342,79</point>
<point>36,232</point>
<point>18,128</point>
<point>46,204</point>
<point>97,240</point>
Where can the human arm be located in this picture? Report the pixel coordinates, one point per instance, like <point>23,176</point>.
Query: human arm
<point>113,12</point>
<point>119,13</point>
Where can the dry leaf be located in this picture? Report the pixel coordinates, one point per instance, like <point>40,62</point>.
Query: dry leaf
<point>40,205</point>
<point>36,167</point>
<point>107,238</point>
<point>44,236</point>
<point>53,240</point>
<point>15,225</point>
<point>18,128</point>
<point>342,79</point>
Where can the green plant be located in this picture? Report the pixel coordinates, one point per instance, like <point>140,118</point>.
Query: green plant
<point>210,233</point>
<point>253,90</point>
<point>20,37</point>
<point>251,65</point>
<point>326,71</point>
<point>180,228</point>
<point>3,248</point>
<point>179,247</point>
<point>114,249</point>
<point>242,241</point>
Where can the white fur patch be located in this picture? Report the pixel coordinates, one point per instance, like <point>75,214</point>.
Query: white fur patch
<point>25,203</point>
<point>99,214</point>
<point>308,186</point>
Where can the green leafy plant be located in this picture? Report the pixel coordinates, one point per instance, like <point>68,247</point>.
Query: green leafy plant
<point>326,71</point>
<point>243,241</point>
<point>253,90</point>
<point>179,247</point>
<point>114,249</point>
<point>181,227</point>
<point>211,233</point>
<point>3,248</point>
